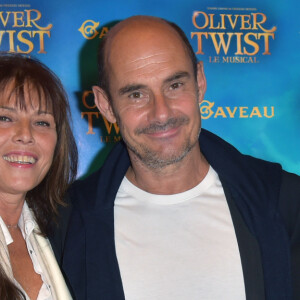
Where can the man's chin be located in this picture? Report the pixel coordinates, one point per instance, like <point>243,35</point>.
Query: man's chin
<point>155,161</point>
<point>160,156</point>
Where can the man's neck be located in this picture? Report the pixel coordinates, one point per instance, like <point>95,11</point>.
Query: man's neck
<point>172,179</point>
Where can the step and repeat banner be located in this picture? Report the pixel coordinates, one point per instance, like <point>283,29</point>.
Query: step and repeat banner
<point>250,50</point>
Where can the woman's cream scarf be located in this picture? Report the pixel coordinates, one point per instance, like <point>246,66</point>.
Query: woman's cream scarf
<point>47,261</point>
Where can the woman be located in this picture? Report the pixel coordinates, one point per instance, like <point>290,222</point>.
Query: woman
<point>38,161</point>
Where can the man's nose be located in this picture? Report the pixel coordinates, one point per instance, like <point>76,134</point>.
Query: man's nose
<point>161,109</point>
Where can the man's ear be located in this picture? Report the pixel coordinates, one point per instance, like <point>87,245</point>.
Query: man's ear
<point>103,104</point>
<point>201,81</point>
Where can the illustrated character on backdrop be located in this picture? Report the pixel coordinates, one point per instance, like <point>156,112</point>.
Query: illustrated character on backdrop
<point>175,212</point>
<point>38,162</point>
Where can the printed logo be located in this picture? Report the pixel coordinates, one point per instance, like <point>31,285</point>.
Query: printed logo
<point>88,29</point>
<point>23,31</point>
<point>207,111</point>
<point>232,35</point>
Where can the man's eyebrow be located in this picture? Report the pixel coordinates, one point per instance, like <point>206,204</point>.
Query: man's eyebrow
<point>134,87</point>
<point>130,88</point>
<point>177,75</point>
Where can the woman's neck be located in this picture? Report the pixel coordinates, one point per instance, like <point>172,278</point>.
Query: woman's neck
<point>11,208</point>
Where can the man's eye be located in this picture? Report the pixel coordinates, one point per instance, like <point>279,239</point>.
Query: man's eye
<point>176,85</point>
<point>5,119</point>
<point>135,95</point>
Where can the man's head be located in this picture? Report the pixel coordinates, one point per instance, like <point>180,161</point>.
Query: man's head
<point>103,71</point>
<point>152,87</point>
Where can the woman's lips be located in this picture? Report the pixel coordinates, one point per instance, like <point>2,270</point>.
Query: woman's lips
<point>20,158</point>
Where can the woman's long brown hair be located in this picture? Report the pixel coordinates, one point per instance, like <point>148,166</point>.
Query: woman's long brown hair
<point>45,198</point>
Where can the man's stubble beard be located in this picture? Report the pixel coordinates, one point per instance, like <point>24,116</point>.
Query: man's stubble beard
<point>153,159</point>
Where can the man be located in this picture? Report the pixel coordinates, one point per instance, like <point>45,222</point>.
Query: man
<point>171,215</point>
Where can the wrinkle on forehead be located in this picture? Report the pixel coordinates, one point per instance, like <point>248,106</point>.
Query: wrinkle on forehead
<point>149,56</point>
<point>149,66</point>
<point>148,61</point>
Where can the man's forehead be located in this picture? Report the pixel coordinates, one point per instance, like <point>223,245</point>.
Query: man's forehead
<point>137,38</point>
<point>133,31</point>
<point>137,22</point>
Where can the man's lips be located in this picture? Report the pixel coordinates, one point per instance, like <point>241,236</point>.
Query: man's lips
<point>167,133</point>
<point>158,129</point>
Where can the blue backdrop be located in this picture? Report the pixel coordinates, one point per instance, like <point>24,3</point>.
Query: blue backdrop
<point>250,52</point>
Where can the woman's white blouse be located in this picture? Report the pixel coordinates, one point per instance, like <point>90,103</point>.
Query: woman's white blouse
<point>27,224</point>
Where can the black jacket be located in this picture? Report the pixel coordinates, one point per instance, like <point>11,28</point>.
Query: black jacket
<point>264,202</point>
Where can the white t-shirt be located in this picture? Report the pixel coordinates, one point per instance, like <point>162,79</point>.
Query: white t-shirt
<point>180,246</point>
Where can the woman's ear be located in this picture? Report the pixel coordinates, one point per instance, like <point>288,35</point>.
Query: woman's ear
<point>103,104</point>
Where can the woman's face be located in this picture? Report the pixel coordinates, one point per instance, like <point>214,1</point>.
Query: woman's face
<point>27,141</point>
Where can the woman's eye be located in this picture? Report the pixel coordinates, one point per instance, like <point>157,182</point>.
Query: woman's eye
<point>43,123</point>
<point>5,119</point>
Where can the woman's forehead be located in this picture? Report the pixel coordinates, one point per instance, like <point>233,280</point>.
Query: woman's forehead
<point>25,94</point>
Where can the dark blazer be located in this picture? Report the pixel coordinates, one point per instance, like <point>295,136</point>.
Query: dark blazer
<point>264,202</point>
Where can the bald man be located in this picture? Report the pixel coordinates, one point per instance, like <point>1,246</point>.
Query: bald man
<point>175,212</point>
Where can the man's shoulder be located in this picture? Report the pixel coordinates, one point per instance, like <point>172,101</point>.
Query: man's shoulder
<point>262,165</point>
<point>229,161</point>
<point>291,179</point>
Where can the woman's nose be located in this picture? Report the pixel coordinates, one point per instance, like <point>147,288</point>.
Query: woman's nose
<point>23,133</point>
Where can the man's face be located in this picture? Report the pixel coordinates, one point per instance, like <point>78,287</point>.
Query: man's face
<point>154,96</point>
